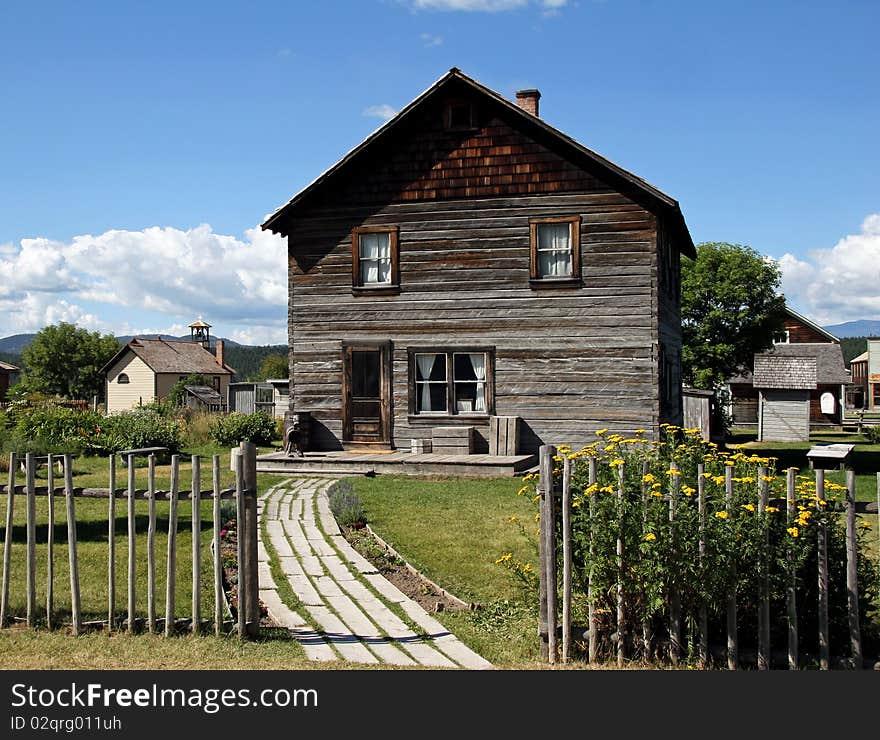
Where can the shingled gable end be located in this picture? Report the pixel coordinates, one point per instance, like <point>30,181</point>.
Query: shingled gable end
<point>466,261</point>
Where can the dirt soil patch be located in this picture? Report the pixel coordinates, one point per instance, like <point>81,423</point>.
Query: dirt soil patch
<point>394,570</point>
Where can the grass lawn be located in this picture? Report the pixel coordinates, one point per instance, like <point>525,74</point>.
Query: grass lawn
<point>453,530</point>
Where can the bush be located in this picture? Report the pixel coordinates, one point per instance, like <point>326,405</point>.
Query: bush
<point>140,428</point>
<point>872,434</point>
<point>236,427</point>
<point>49,428</point>
<point>346,506</point>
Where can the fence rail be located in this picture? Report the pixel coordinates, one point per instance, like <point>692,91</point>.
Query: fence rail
<point>556,490</point>
<point>247,608</point>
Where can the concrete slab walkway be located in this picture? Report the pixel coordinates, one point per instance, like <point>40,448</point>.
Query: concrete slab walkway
<point>349,611</point>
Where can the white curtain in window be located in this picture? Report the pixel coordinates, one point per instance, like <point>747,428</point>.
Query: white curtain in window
<point>554,250</point>
<point>375,256</point>
<point>426,367</point>
<point>478,363</point>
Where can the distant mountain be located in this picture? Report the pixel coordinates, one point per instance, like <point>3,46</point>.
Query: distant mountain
<point>15,344</point>
<point>860,328</point>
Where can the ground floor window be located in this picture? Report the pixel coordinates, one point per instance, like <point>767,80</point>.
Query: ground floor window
<point>450,382</point>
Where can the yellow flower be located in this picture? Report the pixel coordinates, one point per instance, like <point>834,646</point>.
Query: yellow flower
<point>771,509</point>
<point>793,531</point>
<point>607,489</point>
<point>673,471</point>
<point>658,494</point>
<point>616,463</point>
<point>650,537</point>
<point>513,518</point>
<point>527,567</point>
<point>640,431</point>
<point>721,514</point>
<point>718,479</point>
<point>522,490</point>
<point>688,491</point>
<point>600,432</point>
<point>749,507</point>
<point>504,558</point>
<point>866,525</point>
<point>648,478</point>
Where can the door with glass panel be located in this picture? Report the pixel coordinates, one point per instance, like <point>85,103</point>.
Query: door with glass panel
<point>366,411</point>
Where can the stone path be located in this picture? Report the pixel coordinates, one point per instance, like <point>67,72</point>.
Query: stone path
<point>349,611</point>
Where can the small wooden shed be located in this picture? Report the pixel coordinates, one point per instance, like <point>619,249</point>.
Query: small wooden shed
<point>784,385</point>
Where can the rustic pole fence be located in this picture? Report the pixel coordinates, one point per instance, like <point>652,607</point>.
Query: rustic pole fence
<point>791,592</point>
<point>647,641</point>
<point>151,543</point>
<point>593,627</point>
<point>764,574</point>
<point>218,565</point>
<point>72,555</point>
<point>732,637</point>
<point>246,498</point>
<point>111,546</point>
<point>171,570</point>
<point>852,581</point>
<point>703,617</point>
<point>674,597</point>
<point>547,555</point>
<point>566,558</point>
<point>31,524</point>
<point>50,542</point>
<point>7,542</point>
<point>196,523</point>
<point>822,557</point>
<point>621,613</point>
<point>241,601</point>
<point>132,563</point>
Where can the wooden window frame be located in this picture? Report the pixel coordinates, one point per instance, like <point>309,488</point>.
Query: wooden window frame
<point>390,288</point>
<point>573,280</point>
<point>450,414</point>
<point>447,114</point>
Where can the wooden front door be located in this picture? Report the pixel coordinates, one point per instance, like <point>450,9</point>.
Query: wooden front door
<point>366,388</point>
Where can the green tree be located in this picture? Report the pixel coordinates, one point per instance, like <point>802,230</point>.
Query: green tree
<point>274,366</point>
<point>730,309</point>
<point>66,360</point>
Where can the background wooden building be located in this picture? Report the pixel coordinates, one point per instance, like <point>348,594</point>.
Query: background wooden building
<point>468,261</point>
<point>7,374</point>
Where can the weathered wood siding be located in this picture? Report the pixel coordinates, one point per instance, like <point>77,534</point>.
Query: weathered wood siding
<point>784,416</point>
<point>669,335</point>
<point>140,388</point>
<point>567,360</point>
<point>800,333</point>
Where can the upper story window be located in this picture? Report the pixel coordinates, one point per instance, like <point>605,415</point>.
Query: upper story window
<point>555,250</point>
<point>122,378</point>
<point>459,115</point>
<point>375,258</point>
<point>782,338</point>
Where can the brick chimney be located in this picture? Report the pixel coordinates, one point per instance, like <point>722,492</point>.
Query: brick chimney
<point>528,100</point>
<point>218,349</point>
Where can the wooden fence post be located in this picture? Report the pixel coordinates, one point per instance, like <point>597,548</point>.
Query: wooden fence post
<point>852,582</point>
<point>7,540</point>
<point>791,591</point>
<point>171,572</point>
<point>822,557</point>
<point>621,613</point>
<point>111,546</point>
<point>593,627</point>
<point>73,561</point>
<point>252,524</point>
<point>547,556</point>
<point>703,657</point>
<point>218,564</point>
<point>196,500</point>
<point>764,565</point>
<point>50,542</point>
<point>732,639</point>
<point>240,539</point>
<point>566,558</point>
<point>31,525</point>
<point>674,597</point>
<point>132,563</point>
<point>151,543</point>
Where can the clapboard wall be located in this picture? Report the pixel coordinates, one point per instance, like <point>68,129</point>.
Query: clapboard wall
<point>567,360</point>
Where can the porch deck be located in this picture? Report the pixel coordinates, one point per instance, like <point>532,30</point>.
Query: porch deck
<point>397,462</point>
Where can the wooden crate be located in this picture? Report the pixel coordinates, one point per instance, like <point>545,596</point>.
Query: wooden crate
<point>503,435</point>
<point>452,440</point>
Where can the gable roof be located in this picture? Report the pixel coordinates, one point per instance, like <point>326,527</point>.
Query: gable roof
<point>828,359</point>
<point>7,368</point>
<point>163,356</point>
<point>861,358</point>
<point>814,326</point>
<point>573,150</point>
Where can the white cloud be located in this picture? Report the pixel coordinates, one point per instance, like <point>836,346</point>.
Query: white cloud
<point>430,40</point>
<point>837,284</point>
<point>110,281</point>
<point>383,111</point>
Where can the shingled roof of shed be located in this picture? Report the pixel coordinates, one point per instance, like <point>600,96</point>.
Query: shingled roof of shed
<point>789,373</point>
<point>828,357</point>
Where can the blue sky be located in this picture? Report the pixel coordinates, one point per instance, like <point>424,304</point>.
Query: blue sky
<point>141,144</point>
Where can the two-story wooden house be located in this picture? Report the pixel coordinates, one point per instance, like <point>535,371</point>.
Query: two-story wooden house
<point>468,260</point>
